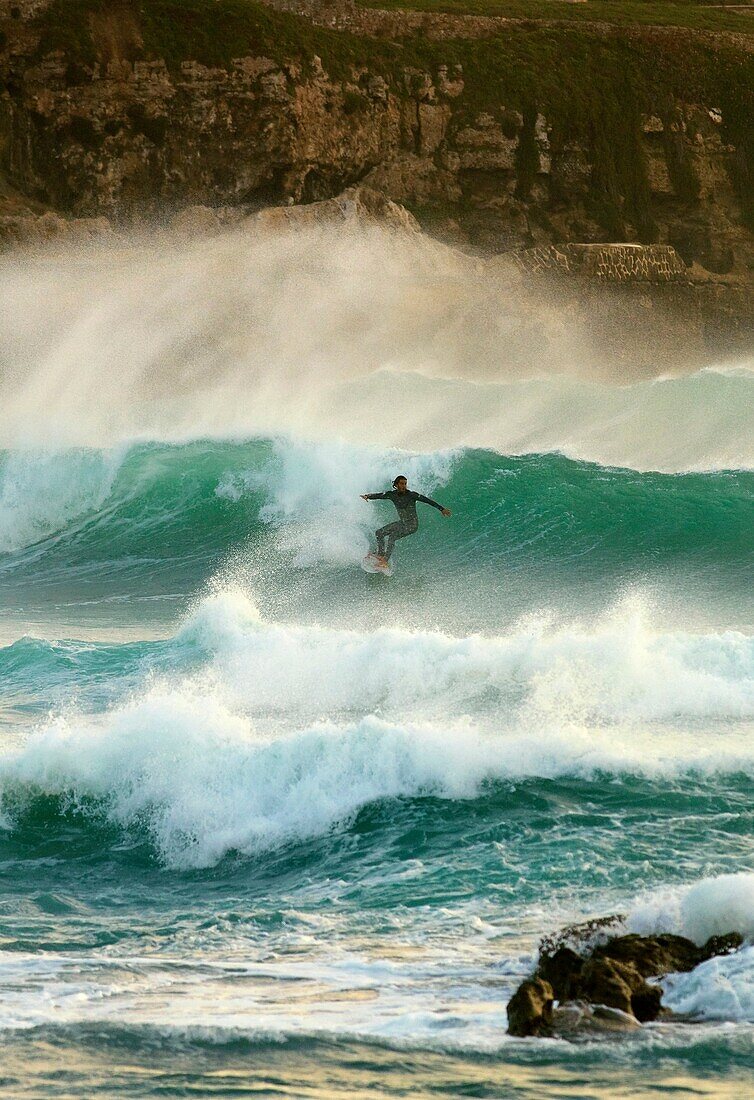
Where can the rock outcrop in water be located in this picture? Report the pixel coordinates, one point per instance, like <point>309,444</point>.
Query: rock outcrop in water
<point>589,978</point>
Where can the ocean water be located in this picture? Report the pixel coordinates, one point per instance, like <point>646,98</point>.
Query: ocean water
<point>275,827</point>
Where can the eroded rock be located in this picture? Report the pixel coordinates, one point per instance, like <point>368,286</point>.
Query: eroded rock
<point>530,1008</point>
<point>587,974</point>
<point>357,205</point>
<point>34,231</point>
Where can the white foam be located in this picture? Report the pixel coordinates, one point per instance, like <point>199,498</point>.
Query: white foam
<point>314,493</point>
<point>710,907</point>
<point>718,905</point>
<point>234,757</point>
<point>42,491</point>
<point>720,989</point>
<point>618,671</point>
<point>205,781</point>
<point>723,987</point>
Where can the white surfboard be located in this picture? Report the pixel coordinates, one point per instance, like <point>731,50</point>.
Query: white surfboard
<point>373,564</point>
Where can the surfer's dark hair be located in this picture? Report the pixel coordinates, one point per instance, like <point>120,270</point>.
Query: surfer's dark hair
<point>400,477</point>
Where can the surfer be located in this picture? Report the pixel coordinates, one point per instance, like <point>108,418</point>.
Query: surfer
<point>405,500</point>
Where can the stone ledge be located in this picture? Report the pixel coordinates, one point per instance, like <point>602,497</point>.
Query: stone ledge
<point>617,263</point>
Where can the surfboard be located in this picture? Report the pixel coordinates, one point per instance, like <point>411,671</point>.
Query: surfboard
<point>372,564</point>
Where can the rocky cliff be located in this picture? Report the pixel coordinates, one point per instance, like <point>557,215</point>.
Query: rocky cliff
<point>498,135</point>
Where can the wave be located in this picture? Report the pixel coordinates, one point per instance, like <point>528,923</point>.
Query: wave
<point>720,989</point>
<point>710,907</point>
<point>364,337</point>
<point>232,755</point>
<point>154,506</point>
<point>296,1053</point>
<point>723,987</point>
<point>42,492</point>
<point>616,671</point>
<point>201,783</point>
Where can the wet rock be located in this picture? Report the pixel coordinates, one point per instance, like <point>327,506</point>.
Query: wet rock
<point>530,1009</point>
<point>651,955</point>
<point>578,1019</point>
<point>722,945</point>
<point>604,982</point>
<point>562,970</point>
<point>591,974</point>
<point>584,936</point>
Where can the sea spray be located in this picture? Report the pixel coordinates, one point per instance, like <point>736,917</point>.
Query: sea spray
<point>710,907</point>
<point>313,494</point>
<point>260,808</point>
<point>366,337</point>
<point>206,783</point>
<point>616,671</point>
<point>206,500</point>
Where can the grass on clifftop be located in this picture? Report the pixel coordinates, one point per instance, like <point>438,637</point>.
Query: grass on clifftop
<point>697,15</point>
<point>213,32</point>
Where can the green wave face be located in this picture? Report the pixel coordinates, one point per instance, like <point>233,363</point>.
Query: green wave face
<point>159,520</point>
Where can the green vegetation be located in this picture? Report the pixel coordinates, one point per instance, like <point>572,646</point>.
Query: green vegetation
<point>700,15</point>
<point>592,88</point>
<point>353,101</point>
<point>213,32</point>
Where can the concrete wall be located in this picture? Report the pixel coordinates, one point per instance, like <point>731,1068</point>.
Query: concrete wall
<point>617,263</point>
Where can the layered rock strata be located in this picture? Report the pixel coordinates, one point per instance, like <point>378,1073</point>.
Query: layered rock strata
<point>116,131</point>
<point>115,121</point>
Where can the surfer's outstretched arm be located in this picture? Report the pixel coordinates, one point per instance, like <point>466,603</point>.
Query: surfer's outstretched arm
<point>374,496</point>
<point>439,507</point>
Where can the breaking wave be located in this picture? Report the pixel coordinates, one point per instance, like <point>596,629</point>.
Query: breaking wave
<point>230,749</point>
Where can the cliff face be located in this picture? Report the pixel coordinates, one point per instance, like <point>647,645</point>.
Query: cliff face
<point>123,135</point>
<point>124,109</point>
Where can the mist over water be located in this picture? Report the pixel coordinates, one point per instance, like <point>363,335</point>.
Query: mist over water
<point>365,337</point>
<point>251,795</point>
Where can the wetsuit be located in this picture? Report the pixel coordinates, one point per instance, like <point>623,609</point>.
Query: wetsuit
<point>407,522</point>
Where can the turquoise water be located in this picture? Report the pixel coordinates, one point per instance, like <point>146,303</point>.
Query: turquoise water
<point>272,826</point>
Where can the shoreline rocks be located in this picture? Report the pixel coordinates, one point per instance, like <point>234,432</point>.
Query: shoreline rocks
<point>590,978</point>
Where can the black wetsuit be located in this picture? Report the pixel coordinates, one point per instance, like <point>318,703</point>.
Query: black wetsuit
<point>407,522</point>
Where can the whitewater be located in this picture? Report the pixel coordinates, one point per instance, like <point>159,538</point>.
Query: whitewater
<point>272,826</point>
